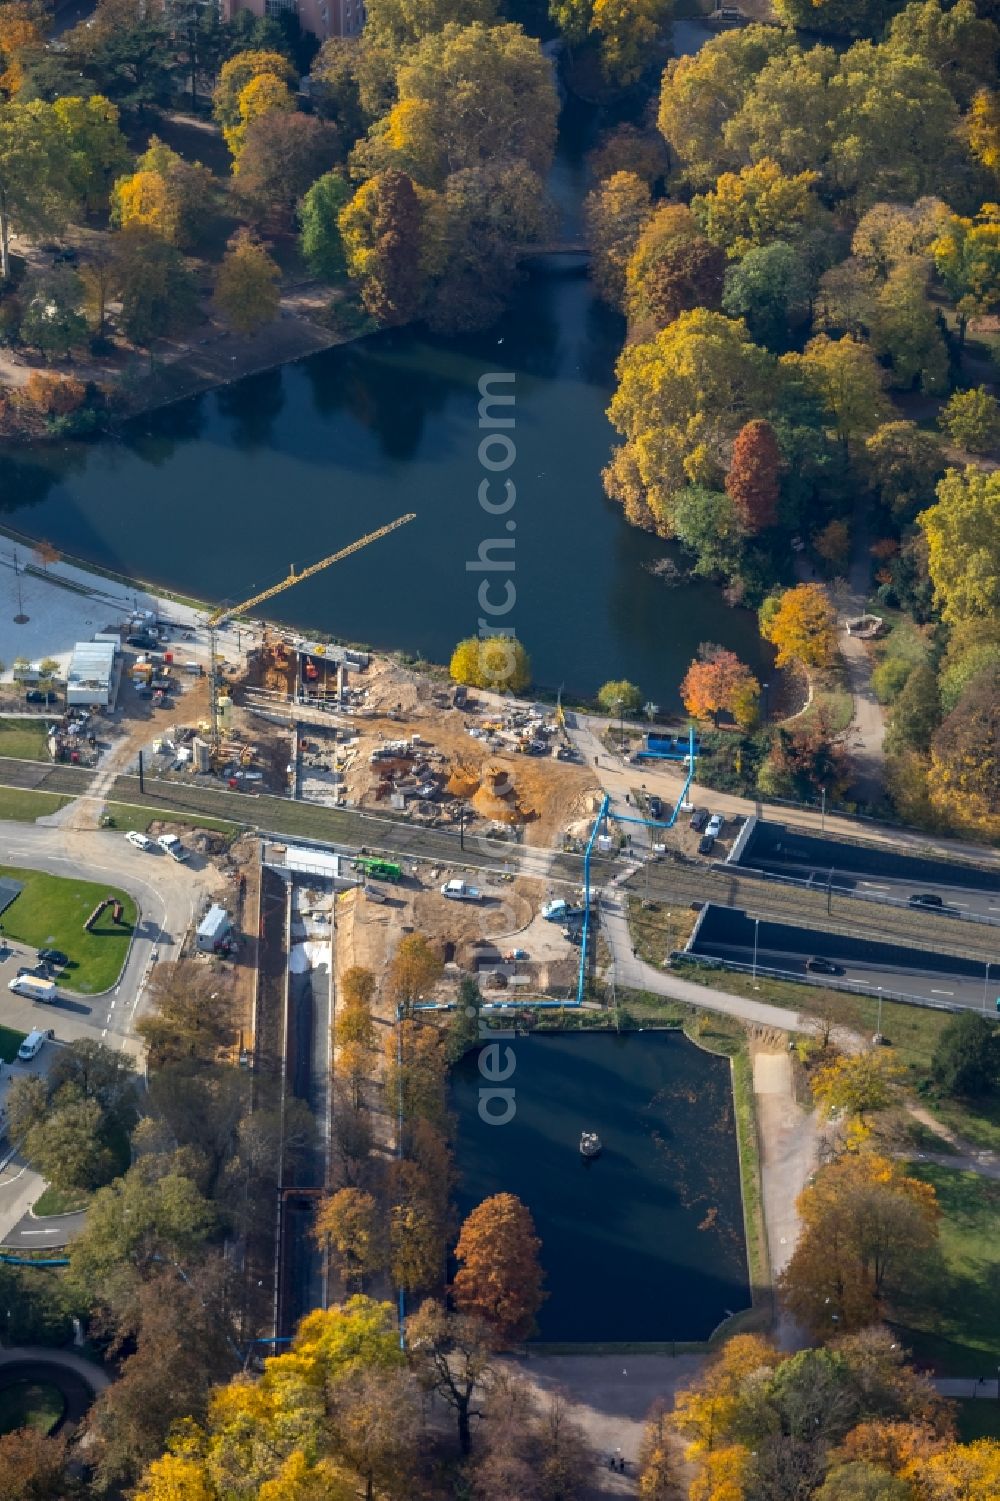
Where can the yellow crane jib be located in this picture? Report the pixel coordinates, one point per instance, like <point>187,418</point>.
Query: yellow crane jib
<point>226,612</point>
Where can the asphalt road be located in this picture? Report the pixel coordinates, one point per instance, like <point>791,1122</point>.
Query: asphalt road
<point>941,979</point>
<point>868,871</point>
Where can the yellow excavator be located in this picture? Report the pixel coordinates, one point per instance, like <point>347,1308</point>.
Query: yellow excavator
<point>228,612</point>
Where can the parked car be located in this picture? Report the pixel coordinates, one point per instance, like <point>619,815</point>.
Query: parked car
<point>37,696</point>
<point>824,967</point>
<point>33,1043</point>
<point>147,643</point>
<point>707,844</point>
<point>699,818</point>
<point>53,956</point>
<point>715,824</point>
<point>139,840</point>
<point>33,971</point>
<point>656,807</point>
<point>926,899</point>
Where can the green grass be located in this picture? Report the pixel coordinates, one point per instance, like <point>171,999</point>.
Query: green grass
<point>50,913</point>
<point>913,1032</point>
<point>903,639</point>
<point>957,1324</point>
<point>30,1404</point>
<point>832,699</point>
<point>132,816</point>
<point>10,1041</point>
<point>20,805</point>
<point>56,1201</point>
<point>24,739</point>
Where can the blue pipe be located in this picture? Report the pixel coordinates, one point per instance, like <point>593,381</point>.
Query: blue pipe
<point>49,1261</point>
<point>601,816</point>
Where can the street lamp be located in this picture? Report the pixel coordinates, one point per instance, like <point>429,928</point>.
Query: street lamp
<point>621,722</point>
<point>986,981</point>
<point>878,1024</point>
<point>822,816</point>
<point>756,935</point>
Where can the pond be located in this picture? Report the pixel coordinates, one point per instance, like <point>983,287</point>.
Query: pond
<point>646,1243</point>
<point>216,495</point>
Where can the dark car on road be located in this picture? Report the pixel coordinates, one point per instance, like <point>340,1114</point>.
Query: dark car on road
<point>37,696</point>
<point>926,899</point>
<point>655,807</point>
<point>707,844</point>
<point>824,967</point>
<point>140,639</point>
<point>699,818</point>
<point>36,971</point>
<point>53,956</point>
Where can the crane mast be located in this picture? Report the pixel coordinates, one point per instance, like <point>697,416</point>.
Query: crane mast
<point>227,612</point>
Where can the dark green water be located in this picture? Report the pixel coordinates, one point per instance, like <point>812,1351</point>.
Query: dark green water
<point>646,1243</point>
<point>215,496</point>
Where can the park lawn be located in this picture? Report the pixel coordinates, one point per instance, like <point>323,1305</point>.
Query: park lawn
<point>30,1404</point>
<point>20,805</point>
<point>831,698</point>
<point>24,739</point>
<point>57,1201</point>
<point>132,816</point>
<point>904,639</point>
<point>50,913</point>
<point>957,1324</point>
<point>10,1041</point>
<point>978,1418</point>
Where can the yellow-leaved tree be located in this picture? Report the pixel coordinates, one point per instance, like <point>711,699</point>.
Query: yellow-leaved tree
<point>802,624</point>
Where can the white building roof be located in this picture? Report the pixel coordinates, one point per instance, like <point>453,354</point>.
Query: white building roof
<point>91,665</point>
<point>216,920</point>
<point>312,862</point>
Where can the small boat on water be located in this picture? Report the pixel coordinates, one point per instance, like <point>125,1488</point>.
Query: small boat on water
<point>590,1144</point>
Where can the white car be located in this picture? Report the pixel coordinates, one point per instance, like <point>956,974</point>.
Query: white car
<point>173,847</point>
<point>139,840</point>
<point>714,826</point>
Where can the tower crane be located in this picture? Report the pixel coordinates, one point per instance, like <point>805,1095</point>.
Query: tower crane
<point>226,612</point>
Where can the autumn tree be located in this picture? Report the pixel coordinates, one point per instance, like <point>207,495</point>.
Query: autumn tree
<point>166,193</point>
<point>867,1228</point>
<point>904,464</point>
<point>453,1355</point>
<point>967,258</point>
<point>672,268</point>
<point>95,149</point>
<point>718,682</point>
<point>801,624</point>
<point>319,215</point>
<point>37,195</point>
<point>971,420</point>
<point>618,696</point>
<point>657,1470</point>
<point>52,321</point>
<point>188,1015</point>
<point>415,970</point>
<point>398,24</point>
<point>156,289</point>
<point>281,157</point>
<point>627,148</point>
<point>681,399</point>
<point>844,376</point>
<point>965,753</point>
<point>499,1277</point>
<point>34,1467</point>
<point>348,1228</point>
<point>614,213</point>
<point>963,544</point>
<point>753,478</point>
<point>760,203</point>
<point>381,231</point>
<point>832,543</point>
<point>857,1083</point>
<point>468,96</point>
<point>247,285</point>
<point>499,663</point>
<point>240,70</point>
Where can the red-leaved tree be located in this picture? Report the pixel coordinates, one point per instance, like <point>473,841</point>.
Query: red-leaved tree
<point>752,481</point>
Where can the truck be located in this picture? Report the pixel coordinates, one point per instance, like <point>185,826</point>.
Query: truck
<point>460,891</point>
<point>173,847</point>
<point>559,910</point>
<point>383,870</point>
<point>33,988</point>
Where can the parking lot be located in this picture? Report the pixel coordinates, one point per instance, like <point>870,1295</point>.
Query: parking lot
<point>805,953</point>
<point>869,870</point>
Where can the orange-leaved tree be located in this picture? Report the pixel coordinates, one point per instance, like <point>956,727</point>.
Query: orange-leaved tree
<point>752,481</point>
<point>500,1276</point>
<point>802,624</point>
<point>716,682</point>
<point>867,1228</point>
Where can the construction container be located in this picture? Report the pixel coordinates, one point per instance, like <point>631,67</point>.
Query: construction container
<point>201,754</point>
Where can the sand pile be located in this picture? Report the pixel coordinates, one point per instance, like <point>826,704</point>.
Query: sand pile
<point>497,797</point>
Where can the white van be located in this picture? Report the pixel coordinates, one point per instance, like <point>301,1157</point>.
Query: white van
<point>173,846</point>
<point>33,1044</point>
<point>35,988</point>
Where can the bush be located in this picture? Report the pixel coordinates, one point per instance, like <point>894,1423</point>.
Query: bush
<point>52,395</point>
<point>889,679</point>
<point>967,1058</point>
